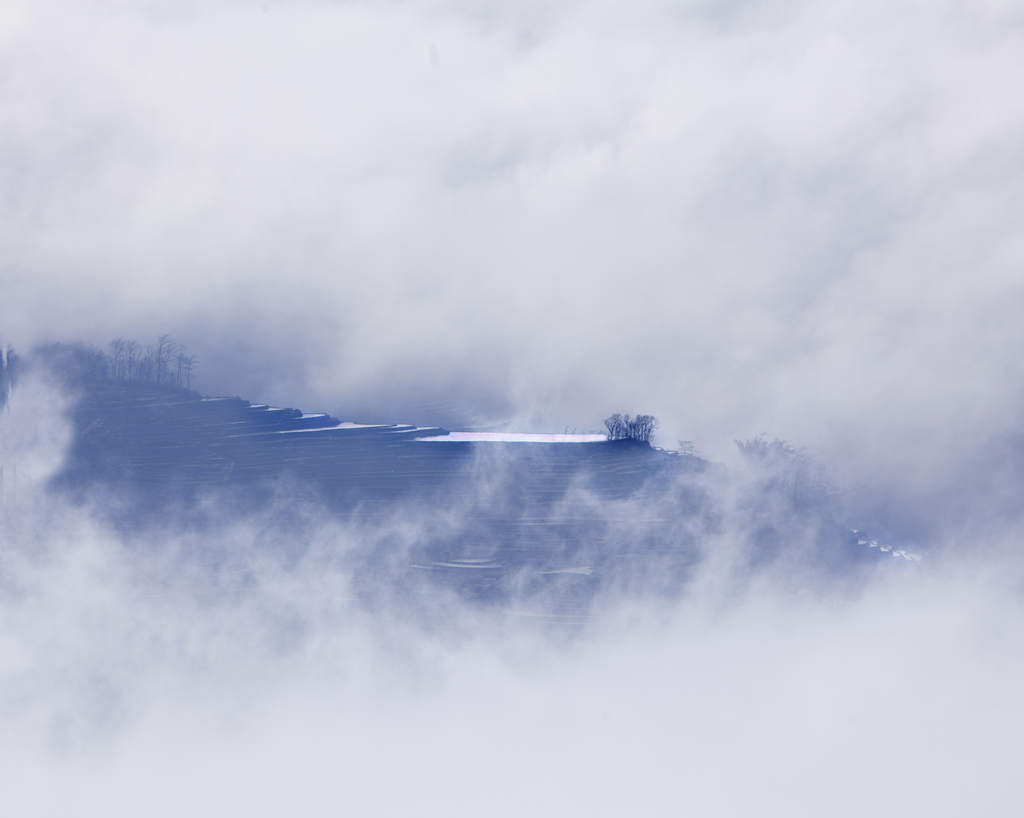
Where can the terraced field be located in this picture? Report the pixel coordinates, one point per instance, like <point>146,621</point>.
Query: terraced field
<point>531,514</point>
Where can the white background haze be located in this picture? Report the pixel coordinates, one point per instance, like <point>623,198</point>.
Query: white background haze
<point>796,218</point>
<point>788,217</point>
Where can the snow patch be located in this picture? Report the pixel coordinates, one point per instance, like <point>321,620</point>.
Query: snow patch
<point>512,437</point>
<point>346,424</point>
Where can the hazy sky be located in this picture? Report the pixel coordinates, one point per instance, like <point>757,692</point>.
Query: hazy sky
<point>786,217</point>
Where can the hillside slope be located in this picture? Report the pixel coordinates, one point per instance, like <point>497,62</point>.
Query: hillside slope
<point>495,517</point>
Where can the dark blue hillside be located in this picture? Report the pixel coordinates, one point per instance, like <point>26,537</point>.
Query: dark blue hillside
<point>156,452</point>
<point>547,525</point>
<point>148,439</point>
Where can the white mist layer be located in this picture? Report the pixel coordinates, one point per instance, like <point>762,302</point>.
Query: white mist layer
<point>137,677</point>
<point>903,701</point>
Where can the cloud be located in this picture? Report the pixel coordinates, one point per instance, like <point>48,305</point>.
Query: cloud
<point>130,677</point>
<point>211,669</point>
<point>794,218</point>
<point>743,218</point>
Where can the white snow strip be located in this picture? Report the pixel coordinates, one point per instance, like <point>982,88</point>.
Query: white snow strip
<point>871,542</point>
<point>343,425</point>
<point>511,437</point>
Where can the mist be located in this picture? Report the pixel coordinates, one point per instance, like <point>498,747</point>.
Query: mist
<point>791,219</point>
<point>742,217</point>
<point>237,667</point>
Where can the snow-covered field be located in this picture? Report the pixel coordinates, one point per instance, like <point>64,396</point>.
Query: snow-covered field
<point>347,424</point>
<point>512,437</point>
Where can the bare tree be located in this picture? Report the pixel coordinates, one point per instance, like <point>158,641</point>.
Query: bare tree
<point>162,355</point>
<point>117,359</point>
<point>190,365</point>
<point>184,365</point>
<point>616,426</point>
<point>642,428</point>
<point>131,353</point>
<point>179,366</point>
<point>145,370</point>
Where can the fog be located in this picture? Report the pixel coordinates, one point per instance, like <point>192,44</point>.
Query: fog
<point>207,670</point>
<point>787,218</point>
<point>744,217</point>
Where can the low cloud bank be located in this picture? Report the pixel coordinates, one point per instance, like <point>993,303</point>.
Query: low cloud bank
<point>172,671</point>
<point>130,683</point>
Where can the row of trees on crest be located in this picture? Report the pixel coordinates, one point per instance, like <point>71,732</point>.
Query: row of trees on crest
<point>624,427</point>
<point>166,363</point>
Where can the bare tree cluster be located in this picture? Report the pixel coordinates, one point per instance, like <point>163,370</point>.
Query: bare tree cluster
<point>166,363</point>
<point>624,427</point>
<point>789,471</point>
